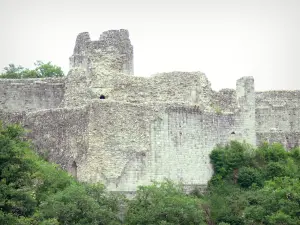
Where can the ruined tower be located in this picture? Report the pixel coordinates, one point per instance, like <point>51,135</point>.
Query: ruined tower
<point>246,104</point>
<point>113,47</point>
<point>95,64</point>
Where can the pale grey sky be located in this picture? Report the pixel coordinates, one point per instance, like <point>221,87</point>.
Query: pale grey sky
<point>225,39</point>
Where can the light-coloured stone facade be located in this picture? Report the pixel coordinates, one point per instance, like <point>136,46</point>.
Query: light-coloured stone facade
<point>102,124</point>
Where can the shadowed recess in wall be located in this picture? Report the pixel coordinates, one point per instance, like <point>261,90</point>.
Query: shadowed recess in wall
<point>74,169</point>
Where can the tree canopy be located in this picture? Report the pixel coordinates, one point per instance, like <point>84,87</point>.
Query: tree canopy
<point>260,187</point>
<point>33,191</point>
<point>164,203</point>
<point>41,70</point>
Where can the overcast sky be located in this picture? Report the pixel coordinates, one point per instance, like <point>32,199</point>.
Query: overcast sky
<point>225,39</point>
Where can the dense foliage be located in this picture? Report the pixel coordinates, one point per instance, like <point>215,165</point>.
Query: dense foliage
<point>250,186</point>
<point>254,186</point>
<point>164,203</point>
<point>33,191</point>
<point>41,70</point>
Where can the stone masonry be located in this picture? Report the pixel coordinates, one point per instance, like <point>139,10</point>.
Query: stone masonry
<point>102,124</point>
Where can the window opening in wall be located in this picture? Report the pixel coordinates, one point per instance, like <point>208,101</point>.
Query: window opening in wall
<point>74,169</point>
<point>102,97</point>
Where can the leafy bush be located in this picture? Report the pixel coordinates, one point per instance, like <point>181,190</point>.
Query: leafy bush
<point>34,192</point>
<point>16,167</point>
<point>274,152</point>
<point>266,191</point>
<point>295,153</point>
<point>226,159</point>
<point>275,169</point>
<point>164,203</point>
<point>277,203</point>
<point>249,176</point>
<point>74,206</point>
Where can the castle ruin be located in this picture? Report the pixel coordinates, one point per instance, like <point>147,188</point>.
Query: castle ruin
<point>103,124</point>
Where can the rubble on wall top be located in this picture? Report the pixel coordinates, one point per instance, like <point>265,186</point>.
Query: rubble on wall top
<point>122,33</point>
<point>83,39</point>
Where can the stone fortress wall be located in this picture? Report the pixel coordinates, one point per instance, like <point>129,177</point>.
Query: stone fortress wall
<point>102,124</point>
<point>30,94</point>
<point>278,117</point>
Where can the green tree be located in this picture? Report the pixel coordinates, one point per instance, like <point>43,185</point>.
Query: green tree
<point>73,205</point>
<point>12,72</point>
<point>249,176</point>
<point>226,161</point>
<point>275,169</point>
<point>164,203</point>
<point>111,203</point>
<point>16,167</point>
<point>271,152</point>
<point>27,73</point>
<point>49,179</point>
<point>226,203</point>
<point>277,203</point>
<point>267,187</point>
<point>41,70</point>
<point>48,70</point>
<point>295,154</point>
<point>34,192</point>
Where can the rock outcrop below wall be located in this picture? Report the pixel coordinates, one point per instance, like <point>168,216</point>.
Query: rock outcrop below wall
<point>102,124</point>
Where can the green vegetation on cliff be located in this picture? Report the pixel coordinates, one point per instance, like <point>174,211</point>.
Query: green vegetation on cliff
<point>254,186</point>
<point>250,186</point>
<point>41,70</point>
<point>164,203</point>
<point>33,191</point>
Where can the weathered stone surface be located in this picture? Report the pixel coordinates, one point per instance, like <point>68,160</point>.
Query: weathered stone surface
<point>113,48</point>
<point>102,124</point>
<point>17,95</point>
<point>278,117</point>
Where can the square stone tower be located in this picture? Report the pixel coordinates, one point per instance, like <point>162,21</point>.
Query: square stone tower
<point>113,47</point>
